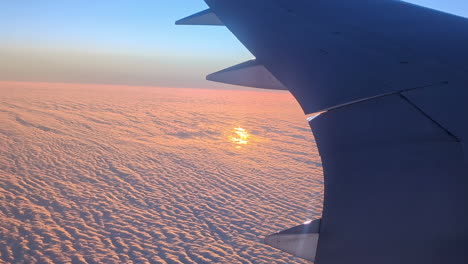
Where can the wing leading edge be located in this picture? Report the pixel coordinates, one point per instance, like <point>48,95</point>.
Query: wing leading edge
<point>390,78</point>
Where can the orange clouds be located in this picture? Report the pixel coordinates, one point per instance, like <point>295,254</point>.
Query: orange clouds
<point>115,174</point>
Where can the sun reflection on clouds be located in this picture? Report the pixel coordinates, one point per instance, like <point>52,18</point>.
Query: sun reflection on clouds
<point>239,136</point>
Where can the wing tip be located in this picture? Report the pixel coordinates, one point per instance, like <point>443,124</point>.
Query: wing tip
<point>249,74</point>
<point>300,241</point>
<point>204,18</point>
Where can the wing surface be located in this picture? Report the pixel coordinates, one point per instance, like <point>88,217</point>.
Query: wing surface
<point>391,79</point>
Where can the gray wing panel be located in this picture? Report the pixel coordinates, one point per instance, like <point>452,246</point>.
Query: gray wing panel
<point>447,104</point>
<point>395,186</point>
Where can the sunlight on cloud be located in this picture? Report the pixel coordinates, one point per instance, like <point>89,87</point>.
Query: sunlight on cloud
<point>239,136</point>
<point>109,174</point>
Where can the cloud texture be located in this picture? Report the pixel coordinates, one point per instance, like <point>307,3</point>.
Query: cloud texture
<point>106,174</point>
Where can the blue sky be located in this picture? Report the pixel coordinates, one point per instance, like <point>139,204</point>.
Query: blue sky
<point>143,27</point>
<point>121,30</point>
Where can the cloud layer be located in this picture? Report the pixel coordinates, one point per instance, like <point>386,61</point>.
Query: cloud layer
<point>106,174</point>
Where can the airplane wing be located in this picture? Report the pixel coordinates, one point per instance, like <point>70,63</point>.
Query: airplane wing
<point>390,81</point>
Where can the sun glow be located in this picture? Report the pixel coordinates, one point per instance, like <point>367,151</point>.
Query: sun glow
<point>239,136</point>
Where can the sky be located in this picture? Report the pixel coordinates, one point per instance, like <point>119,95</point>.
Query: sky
<point>122,42</point>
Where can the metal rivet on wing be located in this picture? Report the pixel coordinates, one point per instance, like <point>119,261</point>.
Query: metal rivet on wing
<point>203,18</point>
<point>250,73</point>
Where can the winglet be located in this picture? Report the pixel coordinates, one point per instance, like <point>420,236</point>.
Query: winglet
<point>203,18</point>
<point>300,241</point>
<point>249,73</point>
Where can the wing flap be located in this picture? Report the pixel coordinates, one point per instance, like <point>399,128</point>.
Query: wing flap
<point>395,182</point>
<point>445,104</point>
